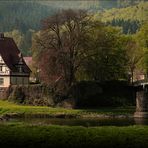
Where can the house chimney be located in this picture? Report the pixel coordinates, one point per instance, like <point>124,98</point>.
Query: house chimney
<point>1,35</point>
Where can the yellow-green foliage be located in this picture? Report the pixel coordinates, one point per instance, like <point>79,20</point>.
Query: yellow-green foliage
<point>136,12</point>
<point>11,108</point>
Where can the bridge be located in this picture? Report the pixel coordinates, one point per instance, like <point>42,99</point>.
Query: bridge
<point>140,83</point>
<point>141,88</point>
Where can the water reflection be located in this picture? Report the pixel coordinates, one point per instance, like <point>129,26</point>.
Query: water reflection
<point>82,122</point>
<point>79,122</point>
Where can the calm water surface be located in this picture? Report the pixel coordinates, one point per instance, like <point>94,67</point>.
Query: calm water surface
<point>82,122</point>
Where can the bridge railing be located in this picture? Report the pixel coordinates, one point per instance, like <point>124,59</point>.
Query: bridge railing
<point>140,82</point>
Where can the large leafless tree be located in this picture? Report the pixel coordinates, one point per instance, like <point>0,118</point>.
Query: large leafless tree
<point>60,41</point>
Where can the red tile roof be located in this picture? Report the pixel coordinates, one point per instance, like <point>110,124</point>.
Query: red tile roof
<point>10,54</point>
<point>28,60</point>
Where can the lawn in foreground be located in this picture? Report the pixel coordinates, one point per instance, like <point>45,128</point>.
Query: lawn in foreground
<point>29,136</point>
<point>41,136</point>
<point>9,108</point>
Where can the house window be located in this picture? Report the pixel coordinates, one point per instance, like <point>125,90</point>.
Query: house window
<point>20,69</point>
<point>1,60</point>
<point>1,81</point>
<point>1,68</point>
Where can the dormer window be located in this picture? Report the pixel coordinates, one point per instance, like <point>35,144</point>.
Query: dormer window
<point>1,81</point>
<point>20,69</point>
<point>1,68</point>
<point>1,60</point>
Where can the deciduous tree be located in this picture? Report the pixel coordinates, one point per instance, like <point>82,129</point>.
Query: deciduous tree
<point>61,46</point>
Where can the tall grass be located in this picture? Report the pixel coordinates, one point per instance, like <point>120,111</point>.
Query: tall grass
<point>64,136</point>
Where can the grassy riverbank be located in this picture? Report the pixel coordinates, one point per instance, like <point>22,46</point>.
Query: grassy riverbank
<point>24,135</point>
<point>22,110</point>
<point>21,135</point>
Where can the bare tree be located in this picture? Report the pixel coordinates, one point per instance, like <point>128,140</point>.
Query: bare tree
<point>61,42</point>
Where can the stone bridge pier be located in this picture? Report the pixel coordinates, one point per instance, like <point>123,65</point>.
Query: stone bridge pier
<point>141,100</point>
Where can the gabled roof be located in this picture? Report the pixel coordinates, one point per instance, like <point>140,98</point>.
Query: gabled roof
<point>28,60</point>
<point>10,54</point>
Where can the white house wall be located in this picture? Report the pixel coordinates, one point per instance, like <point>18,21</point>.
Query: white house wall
<point>5,70</point>
<point>11,78</point>
<point>4,73</point>
<point>6,80</point>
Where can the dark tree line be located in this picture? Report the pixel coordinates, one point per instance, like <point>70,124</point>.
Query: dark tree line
<point>128,26</point>
<point>22,15</point>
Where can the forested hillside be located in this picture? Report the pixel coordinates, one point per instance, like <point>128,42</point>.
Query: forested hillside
<point>20,19</point>
<point>25,15</point>
<point>129,18</point>
<point>137,12</point>
<point>94,5</point>
<point>22,15</point>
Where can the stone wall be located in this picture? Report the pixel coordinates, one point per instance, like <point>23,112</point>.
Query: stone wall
<point>30,94</point>
<point>3,92</point>
<point>83,94</point>
<point>141,101</point>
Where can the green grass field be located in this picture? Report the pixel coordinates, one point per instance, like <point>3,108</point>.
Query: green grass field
<point>24,135</point>
<point>19,135</point>
<point>11,108</point>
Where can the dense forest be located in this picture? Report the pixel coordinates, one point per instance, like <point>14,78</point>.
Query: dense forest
<point>22,15</point>
<point>20,19</point>
<point>128,18</point>
<point>94,5</point>
<point>26,15</point>
<point>133,12</point>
